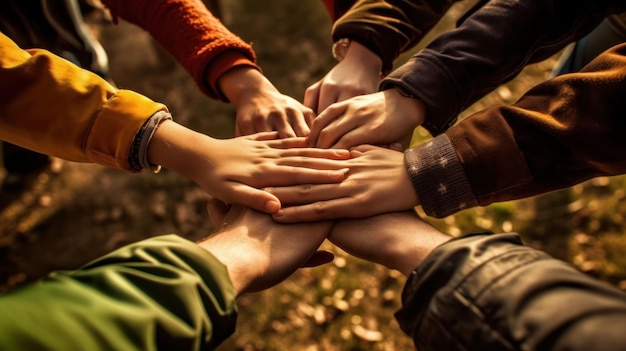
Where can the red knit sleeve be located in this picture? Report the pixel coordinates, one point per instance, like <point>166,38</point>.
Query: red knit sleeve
<point>187,30</point>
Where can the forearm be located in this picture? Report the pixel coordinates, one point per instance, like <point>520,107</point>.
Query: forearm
<point>491,292</point>
<point>54,107</point>
<point>461,66</point>
<point>397,240</point>
<point>160,293</point>
<point>181,150</point>
<point>390,27</point>
<point>562,132</point>
<point>239,83</point>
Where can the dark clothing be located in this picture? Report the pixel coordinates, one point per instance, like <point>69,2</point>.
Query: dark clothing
<point>489,292</point>
<point>562,132</point>
<point>490,48</point>
<point>386,27</point>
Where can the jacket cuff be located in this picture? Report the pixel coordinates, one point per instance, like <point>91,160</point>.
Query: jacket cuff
<point>439,178</point>
<point>113,129</point>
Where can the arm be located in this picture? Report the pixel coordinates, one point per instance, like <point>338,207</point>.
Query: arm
<point>52,106</point>
<point>461,66</point>
<point>509,297</point>
<point>221,63</point>
<point>489,48</point>
<point>57,108</point>
<point>161,293</point>
<point>486,291</point>
<point>164,292</point>
<point>388,28</point>
<point>378,32</point>
<point>562,132</point>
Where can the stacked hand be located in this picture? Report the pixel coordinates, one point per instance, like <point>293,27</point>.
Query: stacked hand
<point>380,118</point>
<point>261,107</point>
<point>234,170</point>
<point>258,252</point>
<point>377,182</point>
<point>357,74</point>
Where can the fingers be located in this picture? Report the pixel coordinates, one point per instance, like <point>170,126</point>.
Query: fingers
<point>327,98</point>
<point>288,124</point>
<point>294,123</point>
<point>272,135</point>
<point>345,207</point>
<point>307,193</point>
<point>320,154</point>
<point>321,123</point>
<point>289,175</point>
<point>257,199</point>
<point>311,95</point>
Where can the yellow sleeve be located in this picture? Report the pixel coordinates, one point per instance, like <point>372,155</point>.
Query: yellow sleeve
<point>54,107</point>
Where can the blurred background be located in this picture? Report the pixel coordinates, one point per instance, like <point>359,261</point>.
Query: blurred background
<point>71,213</point>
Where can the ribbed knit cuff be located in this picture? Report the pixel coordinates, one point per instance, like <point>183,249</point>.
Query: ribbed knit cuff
<point>438,178</point>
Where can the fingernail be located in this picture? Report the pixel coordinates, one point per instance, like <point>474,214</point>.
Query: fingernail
<point>343,152</point>
<point>272,206</point>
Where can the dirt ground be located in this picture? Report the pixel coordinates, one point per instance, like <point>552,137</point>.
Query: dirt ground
<point>65,217</point>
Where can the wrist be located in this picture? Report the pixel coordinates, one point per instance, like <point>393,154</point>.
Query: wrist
<point>241,270</point>
<point>414,107</point>
<point>350,50</point>
<point>180,150</point>
<point>238,83</point>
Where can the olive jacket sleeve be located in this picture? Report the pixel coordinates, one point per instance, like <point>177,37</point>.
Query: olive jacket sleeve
<point>162,293</point>
<point>490,292</point>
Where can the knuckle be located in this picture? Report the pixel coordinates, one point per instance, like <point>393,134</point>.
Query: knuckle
<point>321,207</point>
<point>258,118</point>
<point>305,189</point>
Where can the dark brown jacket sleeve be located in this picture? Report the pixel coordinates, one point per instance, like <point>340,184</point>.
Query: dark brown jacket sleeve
<point>387,27</point>
<point>563,132</point>
<point>490,48</point>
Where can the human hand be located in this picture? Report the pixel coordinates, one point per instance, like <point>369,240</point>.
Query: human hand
<point>357,74</point>
<point>258,252</point>
<point>261,107</point>
<point>234,170</point>
<point>398,240</point>
<point>381,118</point>
<point>377,182</point>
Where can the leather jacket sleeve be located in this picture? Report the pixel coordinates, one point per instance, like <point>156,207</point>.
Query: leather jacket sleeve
<point>490,292</point>
<point>489,48</point>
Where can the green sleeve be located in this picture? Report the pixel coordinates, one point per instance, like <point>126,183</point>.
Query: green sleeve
<point>163,293</point>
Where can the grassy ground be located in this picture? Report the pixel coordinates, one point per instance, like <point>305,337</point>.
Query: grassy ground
<point>65,219</point>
